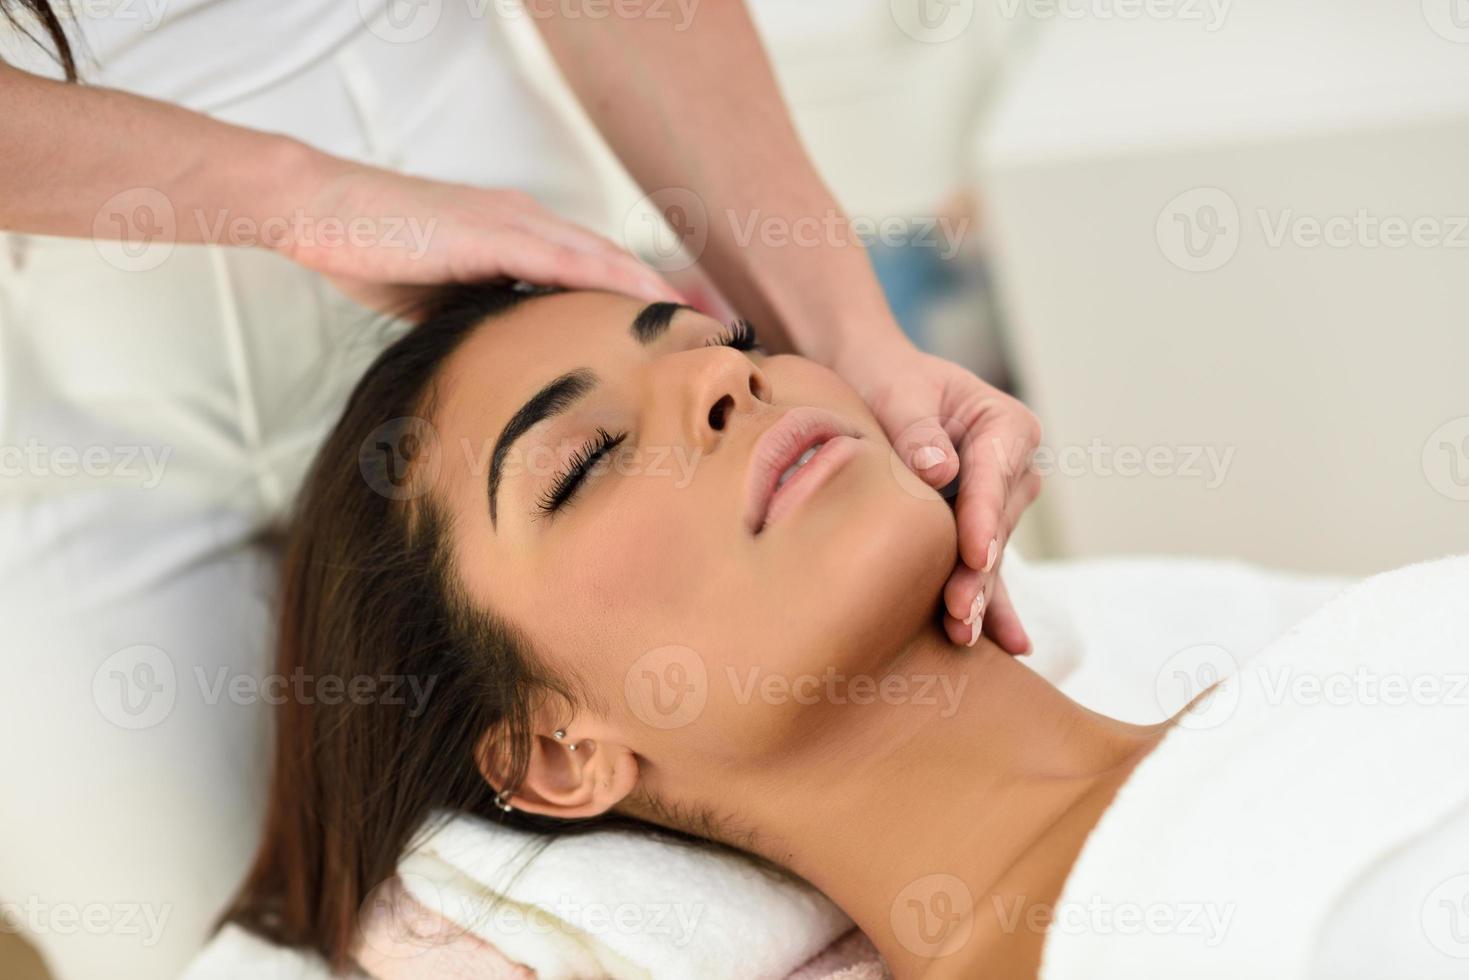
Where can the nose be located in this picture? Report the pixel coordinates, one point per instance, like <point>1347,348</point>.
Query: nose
<point>711,385</point>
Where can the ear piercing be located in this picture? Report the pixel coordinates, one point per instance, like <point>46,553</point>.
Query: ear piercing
<point>502,798</point>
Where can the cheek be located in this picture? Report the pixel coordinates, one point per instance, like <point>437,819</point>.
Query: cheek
<point>854,580</point>
<point>650,568</point>
<point>797,381</point>
<point>837,598</point>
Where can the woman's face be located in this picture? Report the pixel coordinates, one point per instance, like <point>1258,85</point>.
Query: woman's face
<point>702,617</point>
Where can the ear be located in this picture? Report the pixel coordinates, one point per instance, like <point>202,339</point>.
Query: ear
<point>560,781</point>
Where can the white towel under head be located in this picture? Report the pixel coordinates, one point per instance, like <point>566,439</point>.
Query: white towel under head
<point>619,904</point>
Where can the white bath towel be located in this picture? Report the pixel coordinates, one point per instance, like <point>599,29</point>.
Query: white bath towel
<point>1308,819</point>
<point>1112,632</point>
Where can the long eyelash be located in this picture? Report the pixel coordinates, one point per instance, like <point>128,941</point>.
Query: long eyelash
<point>565,486</point>
<point>740,335</point>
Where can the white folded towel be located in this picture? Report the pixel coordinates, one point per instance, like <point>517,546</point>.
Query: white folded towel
<point>619,904</point>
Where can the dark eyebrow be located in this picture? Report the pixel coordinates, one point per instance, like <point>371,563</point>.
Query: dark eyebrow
<point>652,322</point>
<point>552,400</point>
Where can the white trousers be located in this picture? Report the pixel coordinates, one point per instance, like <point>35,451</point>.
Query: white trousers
<point>154,424</point>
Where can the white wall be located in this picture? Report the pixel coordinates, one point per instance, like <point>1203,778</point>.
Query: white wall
<point>1328,372</point>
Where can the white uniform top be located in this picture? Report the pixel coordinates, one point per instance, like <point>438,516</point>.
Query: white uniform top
<point>157,410</point>
<point>202,54</point>
<point>184,339</point>
<point>359,78</point>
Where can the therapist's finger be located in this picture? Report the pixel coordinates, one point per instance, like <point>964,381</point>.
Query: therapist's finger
<point>544,263</point>
<point>534,261</point>
<point>921,442</point>
<point>977,604</point>
<point>966,600</point>
<point>996,457</point>
<point>990,613</point>
<point>558,231</point>
<point>541,223</point>
<point>1002,623</point>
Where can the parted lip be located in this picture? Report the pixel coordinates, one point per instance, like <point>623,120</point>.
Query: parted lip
<point>780,445</point>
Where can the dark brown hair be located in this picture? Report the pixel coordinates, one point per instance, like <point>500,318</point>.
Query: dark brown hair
<point>368,590</point>
<point>42,11</point>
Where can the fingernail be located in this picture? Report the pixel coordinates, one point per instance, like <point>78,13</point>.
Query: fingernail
<point>927,457</point>
<point>974,632</point>
<point>975,608</point>
<point>992,554</point>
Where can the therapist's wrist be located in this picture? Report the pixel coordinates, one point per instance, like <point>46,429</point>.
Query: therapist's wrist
<point>842,314</point>
<point>824,303</point>
<point>837,322</point>
<point>864,342</point>
<point>296,184</point>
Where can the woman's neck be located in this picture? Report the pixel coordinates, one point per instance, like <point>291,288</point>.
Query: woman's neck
<point>945,819</point>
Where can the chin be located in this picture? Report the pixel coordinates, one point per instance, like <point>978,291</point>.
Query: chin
<point>873,571</point>
<point>864,594</point>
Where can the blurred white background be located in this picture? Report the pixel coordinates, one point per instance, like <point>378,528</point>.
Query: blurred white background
<point>1220,246</point>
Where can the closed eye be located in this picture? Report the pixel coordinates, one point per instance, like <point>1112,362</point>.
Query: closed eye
<point>566,484</point>
<point>740,335</point>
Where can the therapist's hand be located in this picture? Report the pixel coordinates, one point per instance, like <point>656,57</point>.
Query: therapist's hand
<point>382,237</point>
<point>944,421</point>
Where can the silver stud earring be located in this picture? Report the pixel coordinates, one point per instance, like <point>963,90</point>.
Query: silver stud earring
<point>502,800</point>
<point>560,734</point>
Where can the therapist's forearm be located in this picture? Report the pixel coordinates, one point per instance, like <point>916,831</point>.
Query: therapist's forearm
<point>69,150</point>
<point>699,109</point>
